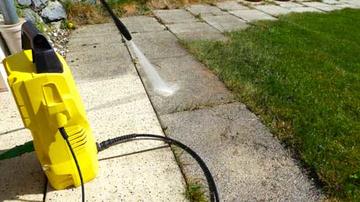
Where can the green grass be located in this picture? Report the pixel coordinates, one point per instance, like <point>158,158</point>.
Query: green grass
<point>195,192</point>
<point>301,75</point>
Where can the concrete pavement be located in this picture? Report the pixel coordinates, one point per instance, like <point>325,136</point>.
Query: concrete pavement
<point>248,163</point>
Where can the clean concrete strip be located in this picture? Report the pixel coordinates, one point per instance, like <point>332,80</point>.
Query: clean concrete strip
<point>116,104</point>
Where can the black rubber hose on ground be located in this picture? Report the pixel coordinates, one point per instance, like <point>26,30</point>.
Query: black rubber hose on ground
<point>66,138</point>
<point>214,196</point>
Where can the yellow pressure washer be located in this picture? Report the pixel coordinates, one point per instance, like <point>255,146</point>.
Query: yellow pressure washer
<point>47,98</point>
<point>51,107</point>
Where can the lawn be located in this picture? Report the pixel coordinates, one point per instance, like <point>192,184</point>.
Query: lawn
<point>301,76</point>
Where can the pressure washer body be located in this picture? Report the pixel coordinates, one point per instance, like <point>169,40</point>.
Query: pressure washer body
<point>47,98</point>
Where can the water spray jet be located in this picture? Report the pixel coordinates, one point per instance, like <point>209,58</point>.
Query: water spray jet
<point>157,83</point>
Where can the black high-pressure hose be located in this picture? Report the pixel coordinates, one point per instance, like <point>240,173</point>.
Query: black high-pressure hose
<point>66,138</point>
<point>214,196</point>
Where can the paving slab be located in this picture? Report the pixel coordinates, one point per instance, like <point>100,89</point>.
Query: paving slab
<point>195,31</point>
<point>86,41</point>
<point>304,10</point>
<point>100,69</point>
<point>159,45</point>
<point>95,53</point>
<point>288,4</point>
<point>273,10</point>
<point>225,23</point>
<point>202,9</point>
<point>252,15</point>
<point>321,6</point>
<point>352,3</point>
<point>251,3</point>
<point>92,58</point>
<point>198,87</point>
<point>116,105</point>
<point>345,5</point>
<point>140,24</point>
<point>231,5</point>
<point>174,16</point>
<point>247,162</point>
<point>332,2</point>
<point>94,30</point>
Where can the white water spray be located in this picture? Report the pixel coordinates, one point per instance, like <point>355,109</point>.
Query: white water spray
<point>158,84</point>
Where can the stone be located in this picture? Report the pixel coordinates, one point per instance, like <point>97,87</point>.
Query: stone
<point>24,2</point>
<point>87,1</point>
<point>252,15</point>
<point>39,4</point>
<point>174,16</point>
<point>231,5</point>
<point>32,16</point>
<point>53,12</point>
<point>225,23</point>
<point>273,10</point>
<point>202,10</point>
<point>56,25</point>
<point>321,6</point>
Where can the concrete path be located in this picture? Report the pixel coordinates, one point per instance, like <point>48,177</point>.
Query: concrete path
<point>248,163</point>
<point>116,104</point>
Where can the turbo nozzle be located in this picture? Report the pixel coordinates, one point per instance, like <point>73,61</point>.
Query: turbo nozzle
<point>121,27</point>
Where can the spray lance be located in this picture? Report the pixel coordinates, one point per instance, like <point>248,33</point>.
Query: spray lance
<point>157,83</point>
<point>51,107</point>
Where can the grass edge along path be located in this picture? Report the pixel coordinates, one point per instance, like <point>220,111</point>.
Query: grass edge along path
<point>301,76</point>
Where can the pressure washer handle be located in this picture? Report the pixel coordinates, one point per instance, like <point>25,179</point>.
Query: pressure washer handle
<point>44,56</point>
<point>121,27</point>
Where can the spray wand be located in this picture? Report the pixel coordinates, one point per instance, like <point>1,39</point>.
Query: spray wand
<point>121,27</point>
<point>158,84</point>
